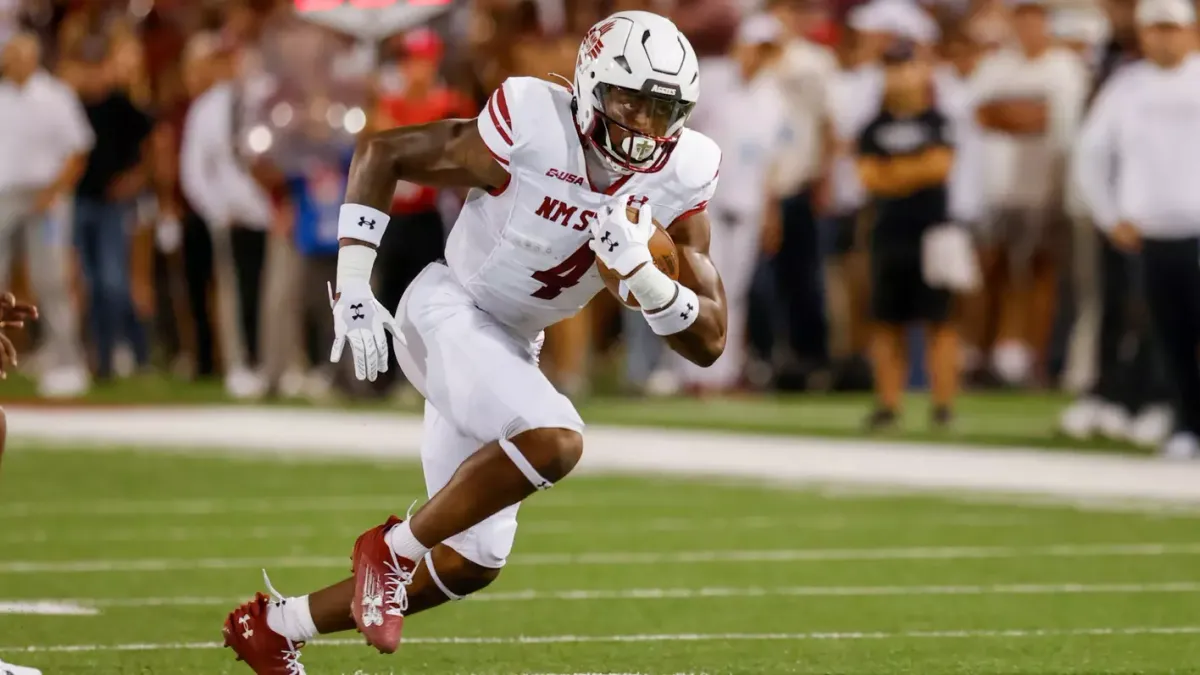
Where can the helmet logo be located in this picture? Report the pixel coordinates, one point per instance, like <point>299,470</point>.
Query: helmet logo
<point>592,43</point>
<point>664,90</point>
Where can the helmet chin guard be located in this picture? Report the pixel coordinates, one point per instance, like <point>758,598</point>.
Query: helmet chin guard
<point>637,81</point>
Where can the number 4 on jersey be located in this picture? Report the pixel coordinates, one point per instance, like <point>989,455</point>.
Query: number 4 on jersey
<point>565,274</point>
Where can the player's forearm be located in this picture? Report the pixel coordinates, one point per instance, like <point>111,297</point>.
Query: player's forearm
<point>385,158</point>
<point>373,175</point>
<point>448,153</point>
<point>704,341</point>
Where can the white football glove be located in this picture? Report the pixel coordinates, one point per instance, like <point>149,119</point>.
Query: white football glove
<point>620,243</point>
<point>359,319</point>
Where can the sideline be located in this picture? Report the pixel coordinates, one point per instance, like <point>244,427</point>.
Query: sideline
<point>390,436</point>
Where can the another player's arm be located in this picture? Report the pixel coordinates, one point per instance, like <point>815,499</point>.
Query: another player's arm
<point>704,340</point>
<point>448,153</point>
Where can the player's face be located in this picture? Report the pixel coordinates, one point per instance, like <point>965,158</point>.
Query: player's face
<point>639,112</point>
<point>639,124</point>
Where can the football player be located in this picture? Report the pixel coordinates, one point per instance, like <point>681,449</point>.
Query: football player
<point>552,170</point>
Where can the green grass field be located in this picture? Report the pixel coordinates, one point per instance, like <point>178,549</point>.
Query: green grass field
<point>610,575</point>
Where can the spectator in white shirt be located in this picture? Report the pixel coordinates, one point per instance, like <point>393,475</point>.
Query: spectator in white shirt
<point>1126,399</point>
<point>221,186</point>
<point>44,142</point>
<point>1028,100</point>
<point>805,72</point>
<point>745,113</point>
<point>1144,131</point>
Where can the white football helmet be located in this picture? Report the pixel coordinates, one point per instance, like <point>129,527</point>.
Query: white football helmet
<point>637,80</point>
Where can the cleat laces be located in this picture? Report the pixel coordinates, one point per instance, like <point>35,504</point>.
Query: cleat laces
<point>396,585</point>
<point>291,655</point>
<point>398,579</point>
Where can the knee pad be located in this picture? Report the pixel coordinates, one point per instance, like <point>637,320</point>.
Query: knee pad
<point>489,543</point>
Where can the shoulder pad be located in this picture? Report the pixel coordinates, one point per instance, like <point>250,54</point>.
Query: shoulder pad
<point>695,165</point>
<point>697,158</point>
<point>522,116</point>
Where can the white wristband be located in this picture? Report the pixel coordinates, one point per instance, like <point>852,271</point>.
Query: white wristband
<point>354,265</point>
<point>676,317</point>
<point>363,223</point>
<point>652,288</point>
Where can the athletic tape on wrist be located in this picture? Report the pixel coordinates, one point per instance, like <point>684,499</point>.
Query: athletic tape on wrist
<point>676,317</point>
<point>652,288</point>
<point>354,266</point>
<point>364,223</point>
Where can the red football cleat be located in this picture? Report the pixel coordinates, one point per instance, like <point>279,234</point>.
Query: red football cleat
<point>381,580</point>
<point>265,651</point>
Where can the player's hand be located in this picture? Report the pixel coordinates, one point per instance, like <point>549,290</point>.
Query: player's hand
<point>621,244</point>
<point>359,319</point>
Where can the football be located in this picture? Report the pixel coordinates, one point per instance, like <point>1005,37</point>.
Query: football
<point>662,249</point>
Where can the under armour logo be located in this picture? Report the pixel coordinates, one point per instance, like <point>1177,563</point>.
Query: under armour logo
<point>247,631</point>
<point>607,239</point>
<point>638,201</point>
<point>356,312</point>
<point>687,312</point>
<point>363,222</point>
<point>372,601</point>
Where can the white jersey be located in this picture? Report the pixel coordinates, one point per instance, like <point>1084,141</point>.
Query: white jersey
<point>521,252</point>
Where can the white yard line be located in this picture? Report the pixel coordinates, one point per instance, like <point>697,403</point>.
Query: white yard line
<point>327,433</point>
<point>868,521</point>
<point>629,557</point>
<point>207,506</point>
<point>653,638</point>
<point>46,608</point>
<point>585,595</point>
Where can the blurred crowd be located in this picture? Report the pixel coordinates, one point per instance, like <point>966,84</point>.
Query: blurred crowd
<point>172,171</point>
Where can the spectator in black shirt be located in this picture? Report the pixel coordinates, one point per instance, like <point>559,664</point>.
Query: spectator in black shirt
<point>105,209</point>
<point>904,159</point>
